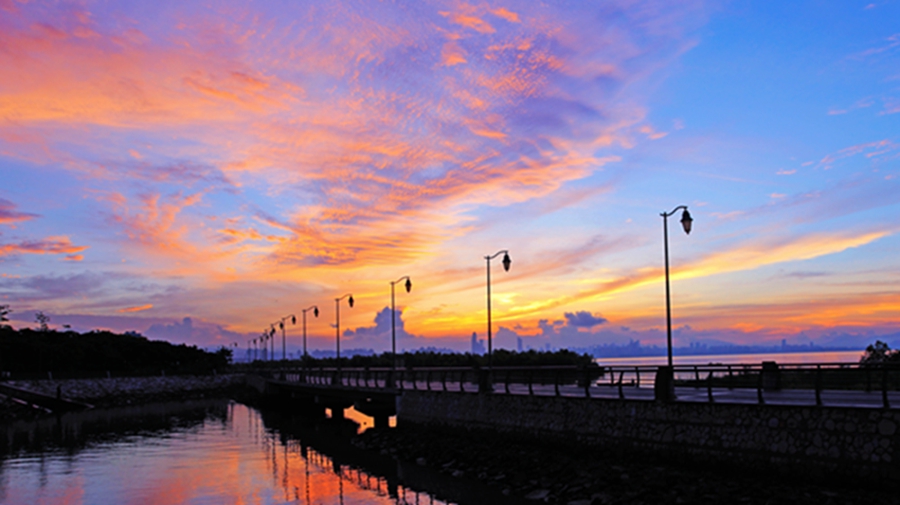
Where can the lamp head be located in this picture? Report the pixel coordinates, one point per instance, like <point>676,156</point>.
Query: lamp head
<point>408,284</point>
<point>316,311</point>
<point>350,301</point>
<point>293,319</point>
<point>506,261</point>
<point>281,325</point>
<point>686,221</point>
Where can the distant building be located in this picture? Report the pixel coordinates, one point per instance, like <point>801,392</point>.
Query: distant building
<point>519,344</point>
<point>477,345</point>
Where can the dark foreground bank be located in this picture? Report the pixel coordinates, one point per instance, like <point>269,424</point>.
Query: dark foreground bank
<point>119,391</point>
<point>573,475</point>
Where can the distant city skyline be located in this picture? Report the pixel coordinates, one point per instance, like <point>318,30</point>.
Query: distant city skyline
<point>195,172</point>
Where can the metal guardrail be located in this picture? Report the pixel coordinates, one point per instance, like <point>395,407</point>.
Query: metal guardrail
<point>741,383</point>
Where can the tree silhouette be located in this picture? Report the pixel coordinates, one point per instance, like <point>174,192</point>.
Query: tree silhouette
<point>42,319</point>
<point>880,352</point>
<point>5,311</point>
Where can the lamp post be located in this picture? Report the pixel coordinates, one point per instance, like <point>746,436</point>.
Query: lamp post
<point>315,310</point>
<point>408,286</point>
<point>686,224</point>
<point>337,325</point>
<point>293,320</point>
<point>506,263</point>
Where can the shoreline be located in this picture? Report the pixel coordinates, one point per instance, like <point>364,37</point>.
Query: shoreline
<point>117,392</point>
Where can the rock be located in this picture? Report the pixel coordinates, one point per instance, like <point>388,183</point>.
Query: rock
<point>421,461</point>
<point>887,428</point>
<point>538,494</point>
<point>600,499</point>
<point>458,473</point>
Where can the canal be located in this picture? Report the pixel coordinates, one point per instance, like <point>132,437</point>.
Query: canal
<point>210,451</point>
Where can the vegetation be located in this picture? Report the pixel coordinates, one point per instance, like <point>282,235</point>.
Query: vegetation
<point>879,352</point>
<point>439,359</point>
<point>70,353</point>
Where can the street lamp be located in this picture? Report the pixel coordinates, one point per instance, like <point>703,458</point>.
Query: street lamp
<point>506,263</point>
<point>686,224</point>
<point>408,286</point>
<point>337,325</point>
<point>315,310</point>
<point>283,344</point>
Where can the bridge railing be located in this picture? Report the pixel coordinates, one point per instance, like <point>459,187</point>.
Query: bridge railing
<point>458,379</point>
<point>744,383</point>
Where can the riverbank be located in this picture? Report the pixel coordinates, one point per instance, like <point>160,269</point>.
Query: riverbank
<point>121,391</point>
<point>579,475</point>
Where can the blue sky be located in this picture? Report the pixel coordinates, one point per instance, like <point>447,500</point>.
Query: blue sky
<point>234,163</point>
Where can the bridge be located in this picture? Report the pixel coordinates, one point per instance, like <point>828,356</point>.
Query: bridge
<point>373,391</point>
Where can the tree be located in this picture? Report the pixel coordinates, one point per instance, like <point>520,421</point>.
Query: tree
<point>5,311</point>
<point>42,319</point>
<point>879,352</point>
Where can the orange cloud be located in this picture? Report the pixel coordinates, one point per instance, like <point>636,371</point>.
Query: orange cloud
<point>508,15</point>
<point>343,139</point>
<point>744,257</point>
<point>9,214</point>
<point>49,245</point>
<point>138,308</point>
<point>469,21</point>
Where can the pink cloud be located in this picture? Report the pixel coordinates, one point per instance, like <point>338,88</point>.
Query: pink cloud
<point>9,214</point>
<point>138,308</point>
<point>49,245</point>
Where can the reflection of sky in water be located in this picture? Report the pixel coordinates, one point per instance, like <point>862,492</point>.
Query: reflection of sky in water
<point>231,461</point>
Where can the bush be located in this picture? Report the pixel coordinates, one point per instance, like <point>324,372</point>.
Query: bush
<point>880,352</point>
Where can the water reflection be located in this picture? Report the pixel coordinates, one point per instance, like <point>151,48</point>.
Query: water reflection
<point>209,452</point>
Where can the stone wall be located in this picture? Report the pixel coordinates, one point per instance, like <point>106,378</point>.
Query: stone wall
<point>817,441</point>
<point>127,389</point>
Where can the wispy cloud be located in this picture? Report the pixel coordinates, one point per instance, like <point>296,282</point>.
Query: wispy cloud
<point>871,150</point>
<point>890,44</point>
<point>49,245</point>
<point>137,308</point>
<point>9,214</point>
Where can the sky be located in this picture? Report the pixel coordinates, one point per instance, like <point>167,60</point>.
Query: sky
<point>197,171</point>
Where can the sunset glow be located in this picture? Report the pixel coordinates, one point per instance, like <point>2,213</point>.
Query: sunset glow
<point>195,172</point>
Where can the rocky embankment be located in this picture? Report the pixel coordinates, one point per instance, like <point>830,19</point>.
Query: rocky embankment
<point>578,475</point>
<point>108,392</point>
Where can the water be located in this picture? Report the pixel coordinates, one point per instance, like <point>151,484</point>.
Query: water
<point>208,452</point>
<point>732,359</point>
